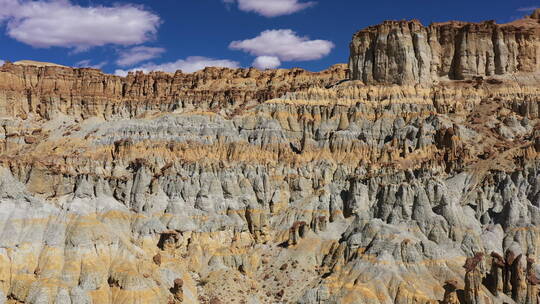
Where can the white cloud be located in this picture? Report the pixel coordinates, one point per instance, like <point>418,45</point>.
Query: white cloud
<point>120,72</point>
<point>285,45</point>
<point>527,9</point>
<point>63,24</point>
<point>271,8</point>
<point>188,65</point>
<point>266,62</point>
<point>87,63</point>
<point>138,54</point>
<point>2,62</point>
<point>8,6</point>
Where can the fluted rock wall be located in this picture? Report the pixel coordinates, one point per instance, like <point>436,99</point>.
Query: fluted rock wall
<point>406,52</point>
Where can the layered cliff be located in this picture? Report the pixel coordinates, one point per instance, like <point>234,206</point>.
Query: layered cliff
<point>50,90</point>
<point>283,186</point>
<point>406,52</point>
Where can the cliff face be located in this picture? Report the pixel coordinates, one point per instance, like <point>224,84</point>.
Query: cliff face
<point>406,52</point>
<point>48,91</point>
<point>241,186</point>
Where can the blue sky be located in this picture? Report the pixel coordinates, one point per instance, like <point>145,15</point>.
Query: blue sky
<point>190,34</point>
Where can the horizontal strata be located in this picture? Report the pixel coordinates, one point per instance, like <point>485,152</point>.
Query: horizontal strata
<point>87,92</point>
<point>242,186</point>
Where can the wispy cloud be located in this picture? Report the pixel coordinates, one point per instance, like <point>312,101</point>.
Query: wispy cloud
<point>528,9</point>
<point>188,65</point>
<point>61,23</point>
<point>271,8</point>
<point>87,63</point>
<point>138,54</point>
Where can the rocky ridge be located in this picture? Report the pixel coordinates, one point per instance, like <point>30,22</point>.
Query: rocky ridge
<point>282,186</point>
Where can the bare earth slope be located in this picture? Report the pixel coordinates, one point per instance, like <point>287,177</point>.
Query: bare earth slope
<point>416,181</point>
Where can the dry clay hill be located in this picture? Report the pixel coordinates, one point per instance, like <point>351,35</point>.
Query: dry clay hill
<point>410,176</point>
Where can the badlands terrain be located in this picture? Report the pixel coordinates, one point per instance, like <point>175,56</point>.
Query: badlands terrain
<point>412,175</point>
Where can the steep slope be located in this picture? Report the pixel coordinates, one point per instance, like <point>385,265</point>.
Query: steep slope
<point>283,186</point>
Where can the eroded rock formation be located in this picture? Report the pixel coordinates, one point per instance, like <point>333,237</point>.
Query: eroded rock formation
<point>406,52</point>
<point>241,186</point>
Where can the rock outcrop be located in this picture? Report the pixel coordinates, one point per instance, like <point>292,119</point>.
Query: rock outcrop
<point>241,186</point>
<point>406,52</point>
<point>450,293</point>
<point>82,93</point>
<point>473,280</point>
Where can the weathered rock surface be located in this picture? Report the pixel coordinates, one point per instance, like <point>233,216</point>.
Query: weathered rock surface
<point>241,186</point>
<point>406,52</point>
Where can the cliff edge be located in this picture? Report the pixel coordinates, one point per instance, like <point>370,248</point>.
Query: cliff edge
<point>406,52</point>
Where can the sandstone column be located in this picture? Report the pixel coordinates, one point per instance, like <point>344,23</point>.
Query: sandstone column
<point>473,280</point>
<point>518,280</point>
<point>496,274</point>
<point>532,283</point>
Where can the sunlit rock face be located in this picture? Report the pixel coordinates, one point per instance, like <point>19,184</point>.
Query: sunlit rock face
<point>283,186</point>
<point>406,52</point>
